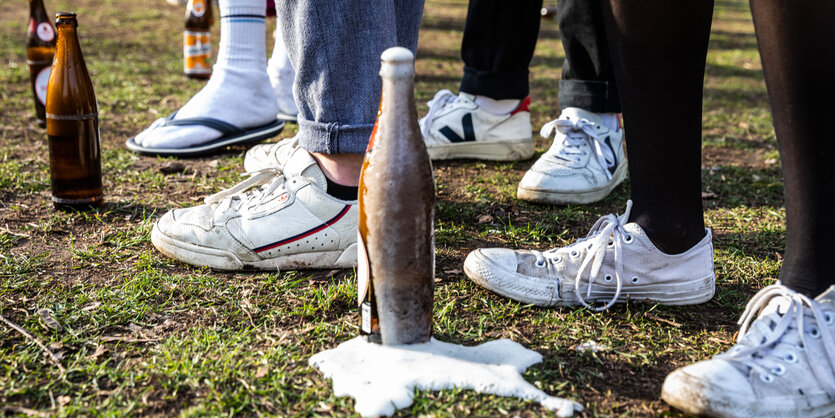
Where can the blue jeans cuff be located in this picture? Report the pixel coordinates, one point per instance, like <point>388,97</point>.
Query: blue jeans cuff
<point>332,138</point>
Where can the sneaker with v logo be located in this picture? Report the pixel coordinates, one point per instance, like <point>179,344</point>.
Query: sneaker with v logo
<point>457,127</point>
<point>585,162</point>
<point>278,218</point>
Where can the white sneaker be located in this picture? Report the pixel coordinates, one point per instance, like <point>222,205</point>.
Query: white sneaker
<point>271,155</point>
<point>456,127</point>
<point>783,364</point>
<point>615,262</point>
<point>585,162</point>
<point>276,219</point>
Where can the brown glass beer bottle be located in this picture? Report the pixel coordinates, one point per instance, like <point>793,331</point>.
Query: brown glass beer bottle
<point>197,39</point>
<point>72,124</point>
<point>396,209</point>
<point>40,49</point>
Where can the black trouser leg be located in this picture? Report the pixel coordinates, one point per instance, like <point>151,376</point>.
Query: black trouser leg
<point>797,47</point>
<point>588,80</point>
<point>499,41</point>
<point>658,52</point>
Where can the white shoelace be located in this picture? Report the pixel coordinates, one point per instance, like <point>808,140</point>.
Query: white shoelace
<point>577,134</point>
<point>442,99</point>
<point>607,230</point>
<point>246,193</point>
<point>757,336</point>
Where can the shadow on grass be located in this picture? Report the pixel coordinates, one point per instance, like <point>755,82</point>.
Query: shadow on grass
<point>728,41</point>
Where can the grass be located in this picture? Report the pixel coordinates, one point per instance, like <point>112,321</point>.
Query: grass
<point>144,335</point>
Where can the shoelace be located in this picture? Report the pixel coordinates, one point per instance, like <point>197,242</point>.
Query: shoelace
<point>607,229</point>
<point>441,100</point>
<point>245,192</point>
<point>576,134</point>
<point>758,335</point>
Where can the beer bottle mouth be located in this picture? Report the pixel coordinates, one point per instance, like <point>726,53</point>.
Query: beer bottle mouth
<point>65,18</point>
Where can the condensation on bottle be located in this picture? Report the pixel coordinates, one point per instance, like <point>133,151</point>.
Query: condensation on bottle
<point>197,39</point>
<point>40,50</point>
<point>396,254</point>
<point>72,124</point>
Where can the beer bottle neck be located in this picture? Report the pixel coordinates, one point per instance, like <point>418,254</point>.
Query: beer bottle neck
<point>68,38</point>
<point>398,73</point>
<point>37,10</point>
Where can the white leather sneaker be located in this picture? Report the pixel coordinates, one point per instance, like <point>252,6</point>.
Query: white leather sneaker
<point>271,155</point>
<point>783,364</point>
<point>456,127</point>
<point>279,218</point>
<point>585,162</point>
<point>615,262</point>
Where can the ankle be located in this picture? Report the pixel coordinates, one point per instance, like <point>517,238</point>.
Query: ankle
<point>671,237</point>
<point>342,169</point>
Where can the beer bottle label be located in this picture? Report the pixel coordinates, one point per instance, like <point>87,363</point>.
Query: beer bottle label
<point>363,275</point>
<point>198,8</point>
<point>41,82</point>
<point>197,49</point>
<point>366,317</point>
<point>45,32</point>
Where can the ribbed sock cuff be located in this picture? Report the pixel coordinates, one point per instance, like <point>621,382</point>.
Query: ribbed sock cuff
<point>242,34</point>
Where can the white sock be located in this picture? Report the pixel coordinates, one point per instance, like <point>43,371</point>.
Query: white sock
<point>497,107</point>
<point>611,121</point>
<point>238,91</point>
<point>282,75</point>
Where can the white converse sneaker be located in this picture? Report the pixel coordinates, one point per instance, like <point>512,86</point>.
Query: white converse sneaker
<point>456,127</point>
<point>279,218</point>
<point>272,155</point>
<point>783,364</point>
<point>614,262</point>
<point>585,162</point>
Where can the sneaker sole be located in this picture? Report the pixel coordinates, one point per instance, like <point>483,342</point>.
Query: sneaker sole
<point>523,289</point>
<point>224,260</point>
<point>506,150</point>
<point>577,197</point>
<point>689,396</point>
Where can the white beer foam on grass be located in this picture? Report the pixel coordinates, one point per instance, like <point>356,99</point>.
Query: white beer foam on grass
<point>382,378</point>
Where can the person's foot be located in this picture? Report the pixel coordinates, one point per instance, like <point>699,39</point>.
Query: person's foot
<point>456,127</point>
<point>342,169</point>
<point>237,102</point>
<point>585,162</point>
<point>241,98</point>
<point>783,364</point>
<point>271,155</point>
<point>615,262</point>
<point>276,219</point>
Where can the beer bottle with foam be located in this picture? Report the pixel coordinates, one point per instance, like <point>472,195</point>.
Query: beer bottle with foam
<point>396,253</point>
<point>40,49</point>
<point>72,124</point>
<point>197,39</point>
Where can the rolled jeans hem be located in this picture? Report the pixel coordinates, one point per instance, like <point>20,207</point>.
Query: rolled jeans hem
<point>333,138</point>
<point>590,95</point>
<point>495,84</point>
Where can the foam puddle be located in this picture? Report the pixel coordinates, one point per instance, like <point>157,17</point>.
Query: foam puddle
<point>381,378</point>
